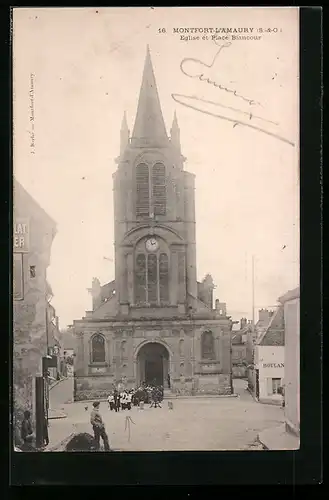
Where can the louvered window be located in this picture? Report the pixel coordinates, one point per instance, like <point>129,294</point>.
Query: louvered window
<point>143,190</point>
<point>159,189</point>
<point>153,185</point>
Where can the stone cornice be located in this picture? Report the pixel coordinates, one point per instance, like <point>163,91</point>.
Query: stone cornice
<point>93,323</point>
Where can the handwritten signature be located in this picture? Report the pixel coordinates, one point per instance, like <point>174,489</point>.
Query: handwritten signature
<point>197,104</point>
<point>211,107</point>
<point>199,73</point>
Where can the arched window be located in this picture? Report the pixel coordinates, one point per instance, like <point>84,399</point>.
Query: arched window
<point>181,348</point>
<point>140,279</point>
<point>208,345</point>
<point>123,349</point>
<point>98,349</point>
<point>159,189</point>
<point>164,277</point>
<point>142,190</point>
<point>152,279</point>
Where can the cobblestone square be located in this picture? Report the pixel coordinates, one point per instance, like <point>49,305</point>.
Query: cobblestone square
<point>203,423</point>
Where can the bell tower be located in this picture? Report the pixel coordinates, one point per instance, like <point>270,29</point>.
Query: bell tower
<point>154,319</point>
<point>154,211</point>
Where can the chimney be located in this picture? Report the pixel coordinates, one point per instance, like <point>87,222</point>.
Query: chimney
<point>96,293</point>
<point>243,323</point>
<point>264,315</point>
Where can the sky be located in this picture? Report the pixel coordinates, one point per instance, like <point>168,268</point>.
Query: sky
<point>86,66</point>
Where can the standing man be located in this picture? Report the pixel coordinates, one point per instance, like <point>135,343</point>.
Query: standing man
<point>99,427</point>
<point>27,432</point>
<point>168,380</point>
<point>45,432</point>
<point>116,400</point>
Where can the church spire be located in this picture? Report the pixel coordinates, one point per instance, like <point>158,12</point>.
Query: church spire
<point>175,133</point>
<point>149,128</point>
<point>124,134</point>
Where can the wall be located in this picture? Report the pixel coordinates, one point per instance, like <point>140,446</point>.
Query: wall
<point>270,362</point>
<point>29,314</point>
<point>183,342</point>
<point>292,363</point>
<point>239,360</point>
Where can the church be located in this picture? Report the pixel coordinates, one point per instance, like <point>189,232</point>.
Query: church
<point>155,322</point>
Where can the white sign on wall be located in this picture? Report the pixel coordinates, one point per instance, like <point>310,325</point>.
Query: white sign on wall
<point>273,365</point>
<point>21,233</point>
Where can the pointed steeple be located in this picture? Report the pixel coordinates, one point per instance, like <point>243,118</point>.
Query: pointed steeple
<point>149,128</point>
<point>175,133</point>
<point>124,134</point>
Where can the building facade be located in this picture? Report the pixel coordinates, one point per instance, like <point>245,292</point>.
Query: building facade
<point>239,349</point>
<point>267,369</point>
<point>33,234</point>
<point>291,305</point>
<point>253,336</point>
<point>155,321</point>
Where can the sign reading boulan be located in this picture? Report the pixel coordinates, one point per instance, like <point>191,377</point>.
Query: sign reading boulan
<point>273,365</point>
<point>21,235</point>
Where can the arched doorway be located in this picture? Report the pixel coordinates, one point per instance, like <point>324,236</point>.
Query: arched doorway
<point>153,364</point>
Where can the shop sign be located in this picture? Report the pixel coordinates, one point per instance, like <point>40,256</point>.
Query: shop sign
<point>21,234</point>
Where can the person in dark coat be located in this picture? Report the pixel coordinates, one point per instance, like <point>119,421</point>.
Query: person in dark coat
<point>27,434</point>
<point>116,400</point>
<point>168,380</point>
<point>81,442</point>
<point>155,398</point>
<point>45,432</point>
<point>99,427</point>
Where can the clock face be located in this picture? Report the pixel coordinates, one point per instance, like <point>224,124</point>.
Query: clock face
<point>152,245</point>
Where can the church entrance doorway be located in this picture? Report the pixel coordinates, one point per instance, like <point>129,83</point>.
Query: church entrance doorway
<point>153,364</point>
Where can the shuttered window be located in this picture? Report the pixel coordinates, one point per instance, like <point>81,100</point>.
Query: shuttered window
<point>164,278</point>
<point>143,190</point>
<point>159,189</point>
<point>157,204</point>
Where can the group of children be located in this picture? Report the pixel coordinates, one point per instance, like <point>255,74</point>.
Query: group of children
<point>145,393</point>
<point>122,400</point>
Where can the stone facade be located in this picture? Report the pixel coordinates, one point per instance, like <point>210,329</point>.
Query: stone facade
<point>291,305</point>
<point>154,318</point>
<point>182,340</point>
<point>29,310</point>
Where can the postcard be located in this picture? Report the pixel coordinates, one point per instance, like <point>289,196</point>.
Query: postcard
<point>156,229</point>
